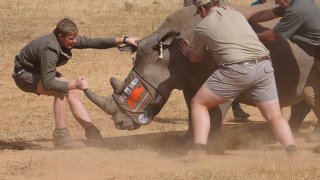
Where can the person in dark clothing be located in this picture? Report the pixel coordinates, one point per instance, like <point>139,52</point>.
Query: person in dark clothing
<point>35,72</point>
<point>300,23</point>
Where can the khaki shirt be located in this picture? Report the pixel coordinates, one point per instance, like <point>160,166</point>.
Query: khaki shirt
<point>44,54</point>
<point>228,36</point>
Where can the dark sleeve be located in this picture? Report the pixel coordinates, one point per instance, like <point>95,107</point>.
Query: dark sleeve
<point>288,24</point>
<point>278,11</point>
<point>49,59</point>
<point>95,43</point>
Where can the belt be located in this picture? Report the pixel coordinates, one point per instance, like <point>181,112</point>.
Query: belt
<point>248,62</point>
<point>253,61</point>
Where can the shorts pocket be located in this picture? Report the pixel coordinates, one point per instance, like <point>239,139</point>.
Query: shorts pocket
<point>268,69</point>
<point>242,69</point>
<point>217,75</point>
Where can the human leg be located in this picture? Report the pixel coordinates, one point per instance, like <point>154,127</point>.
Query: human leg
<point>31,82</point>
<point>80,113</point>
<point>271,111</point>
<point>264,93</point>
<point>203,100</point>
<point>78,110</point>
<point>61,135</point>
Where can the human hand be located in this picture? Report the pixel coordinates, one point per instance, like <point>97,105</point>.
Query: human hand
<point>185,48</point>
<point>227,7</point>
<point>132,40</point>
<point>81,83</point>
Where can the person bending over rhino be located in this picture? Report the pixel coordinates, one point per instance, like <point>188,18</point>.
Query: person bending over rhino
<point>238,113</point>
<point>300,22</point>
<point>35,72</point>
<point>244,67</point>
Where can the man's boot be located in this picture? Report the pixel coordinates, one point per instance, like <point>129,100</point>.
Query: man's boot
<point>63,140</point>
<point>93,135</point>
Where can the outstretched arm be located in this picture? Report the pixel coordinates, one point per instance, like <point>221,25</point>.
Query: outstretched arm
<point>261,16</point>
<point>127,40</point>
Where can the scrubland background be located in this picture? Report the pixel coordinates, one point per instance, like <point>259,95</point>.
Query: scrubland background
<point>151,152</point>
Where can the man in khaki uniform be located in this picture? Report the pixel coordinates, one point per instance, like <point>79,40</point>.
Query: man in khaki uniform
<point>244,67</point>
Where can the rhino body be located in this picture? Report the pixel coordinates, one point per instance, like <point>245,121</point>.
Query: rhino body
<point>291,64</point>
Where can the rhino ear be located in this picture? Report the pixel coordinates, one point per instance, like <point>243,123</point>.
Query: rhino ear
<point>167,38</point>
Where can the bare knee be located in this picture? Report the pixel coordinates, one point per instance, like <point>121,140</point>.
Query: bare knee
<point>73,95</point>
<point>275,118</point>
<point>196,103</point>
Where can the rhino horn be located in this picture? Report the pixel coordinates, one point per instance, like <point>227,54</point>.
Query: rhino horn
<point>107,104</point>
<point>117,85</point>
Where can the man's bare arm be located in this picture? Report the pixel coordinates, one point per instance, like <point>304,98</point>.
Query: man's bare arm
<point>261,16</point>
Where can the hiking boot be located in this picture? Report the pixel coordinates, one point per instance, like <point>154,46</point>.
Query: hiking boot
<point>63,140</point>
<point>93,135</point>
<point>239,114</point>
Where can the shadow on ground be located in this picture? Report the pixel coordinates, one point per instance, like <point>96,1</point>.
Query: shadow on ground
<point>23,145</point>
<point>252,135</point>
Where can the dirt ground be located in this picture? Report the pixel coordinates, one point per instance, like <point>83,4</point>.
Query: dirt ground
<point>154,151</point>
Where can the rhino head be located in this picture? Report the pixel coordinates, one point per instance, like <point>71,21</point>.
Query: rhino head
<point>158,65</point>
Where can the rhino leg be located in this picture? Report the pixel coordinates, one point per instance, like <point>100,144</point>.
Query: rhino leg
<point>311,94</point>
<point>298,112</point>
<point>314,102</point>
<point>189,133</point>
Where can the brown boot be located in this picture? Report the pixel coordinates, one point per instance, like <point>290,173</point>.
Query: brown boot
<point>63,140</point>
<point>93,135</point>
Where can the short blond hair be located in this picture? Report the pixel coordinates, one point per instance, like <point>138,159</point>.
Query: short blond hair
<point>66,26</point>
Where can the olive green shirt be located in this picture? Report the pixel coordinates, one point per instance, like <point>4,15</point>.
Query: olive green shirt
<point>44,54</point>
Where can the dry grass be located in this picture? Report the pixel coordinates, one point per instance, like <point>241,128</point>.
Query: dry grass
<point>147,153</point>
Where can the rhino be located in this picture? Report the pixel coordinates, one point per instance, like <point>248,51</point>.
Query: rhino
<point>161,65</point>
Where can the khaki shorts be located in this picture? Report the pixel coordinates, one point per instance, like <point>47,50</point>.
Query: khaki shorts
<point>256,81</point>
<point>28,81</point>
